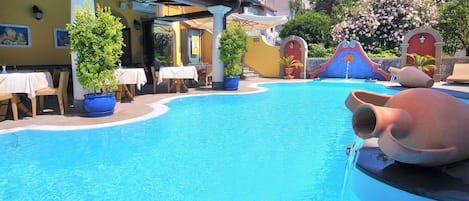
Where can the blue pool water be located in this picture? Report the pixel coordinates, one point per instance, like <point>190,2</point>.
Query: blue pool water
<point>284,144</point>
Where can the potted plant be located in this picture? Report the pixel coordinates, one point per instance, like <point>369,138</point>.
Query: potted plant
<point>97,41</point>
<point>289,64</point>
<point>233,45</point>
<point>423,63</point>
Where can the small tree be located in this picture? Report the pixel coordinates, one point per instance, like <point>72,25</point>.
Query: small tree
<point>326,6</point>
<point>97,41</point>
<point>454,23</point>
<point>313,27</point>
<point>233,45</point>
<point>296,7</point>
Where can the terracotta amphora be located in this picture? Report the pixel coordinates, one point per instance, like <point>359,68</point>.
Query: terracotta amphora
<point>411,77</point>
<point>416,126</point>
<point>357,98</point>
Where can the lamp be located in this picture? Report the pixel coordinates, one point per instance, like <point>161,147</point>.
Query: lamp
<point>37,13</point>
<point>422,39</point>
<point>292,45</point>
<point>137,25</point>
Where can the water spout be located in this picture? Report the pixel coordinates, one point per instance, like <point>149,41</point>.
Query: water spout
<point>346,70</point>
<point>352,157</point>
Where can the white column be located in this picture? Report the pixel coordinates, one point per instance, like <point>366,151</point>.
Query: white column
<point>217,65</point>
<point>78,90</point>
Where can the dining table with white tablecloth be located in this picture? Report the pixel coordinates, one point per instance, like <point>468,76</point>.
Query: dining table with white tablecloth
<point>134,77</point>
<point>177,74</point>
<point>25,82</point>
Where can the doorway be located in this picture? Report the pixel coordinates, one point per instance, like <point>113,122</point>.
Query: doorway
<point>126,58</point>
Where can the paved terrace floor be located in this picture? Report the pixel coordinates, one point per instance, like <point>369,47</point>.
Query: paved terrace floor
<point>144,106</point>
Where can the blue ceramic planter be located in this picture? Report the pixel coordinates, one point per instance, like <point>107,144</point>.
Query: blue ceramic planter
<point>99,105</point>
<point>231,83</point>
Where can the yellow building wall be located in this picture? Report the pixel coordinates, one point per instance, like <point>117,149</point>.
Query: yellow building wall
<point>206,47</point>
<point>177,44</point>
<point>42,49</point>
<point>57,15</point>
<point>262,57</point>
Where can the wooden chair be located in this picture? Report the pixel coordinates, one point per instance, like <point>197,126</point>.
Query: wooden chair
<point>205,76</point>
<point>155,78</point>
<point>65,88</point>
<point>56,79</point>
<point>4,99</point>
<point>56,76</point>
<point>60,92</point>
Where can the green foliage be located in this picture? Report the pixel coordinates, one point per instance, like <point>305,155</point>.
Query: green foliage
<point>165,60</point>
<point>97,41</point>
<point>233,70</point>
<point>423,63</point>
<point>290,61</point>
<point>233,45</point>
<point>453,25</point>
<point>313,27</point>
<point>325,6</point>
<point>340,9</point>
<point>384,53</point>
<point>318,50</point>
<point>296,6</point>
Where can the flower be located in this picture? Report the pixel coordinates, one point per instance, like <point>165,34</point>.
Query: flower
<point>383,23</point>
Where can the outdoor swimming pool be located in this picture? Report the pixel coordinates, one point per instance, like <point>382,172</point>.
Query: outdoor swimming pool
<point>284,144</point>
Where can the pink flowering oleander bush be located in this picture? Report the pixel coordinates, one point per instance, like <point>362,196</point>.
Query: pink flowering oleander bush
<point>383,23</point>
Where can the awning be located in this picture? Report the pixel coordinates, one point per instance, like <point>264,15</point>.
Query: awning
<point>257,22</point>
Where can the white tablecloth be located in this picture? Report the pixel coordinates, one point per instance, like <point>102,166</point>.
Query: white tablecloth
<point>132,76</point>
<point>185,72</point>
<point>25,82</point>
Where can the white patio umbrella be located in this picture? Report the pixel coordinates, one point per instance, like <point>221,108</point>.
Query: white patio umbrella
<point>257,22</point>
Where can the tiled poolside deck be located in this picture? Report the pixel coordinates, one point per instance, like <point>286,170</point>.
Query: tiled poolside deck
<point>124,111</point>
<point>143,106</point>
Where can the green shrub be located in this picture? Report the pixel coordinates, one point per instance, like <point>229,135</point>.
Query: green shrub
<point>233,45</point>
<point>383,53</point>
<point>318,50</point>
<point>313,27</point>
<point>97,41</point>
